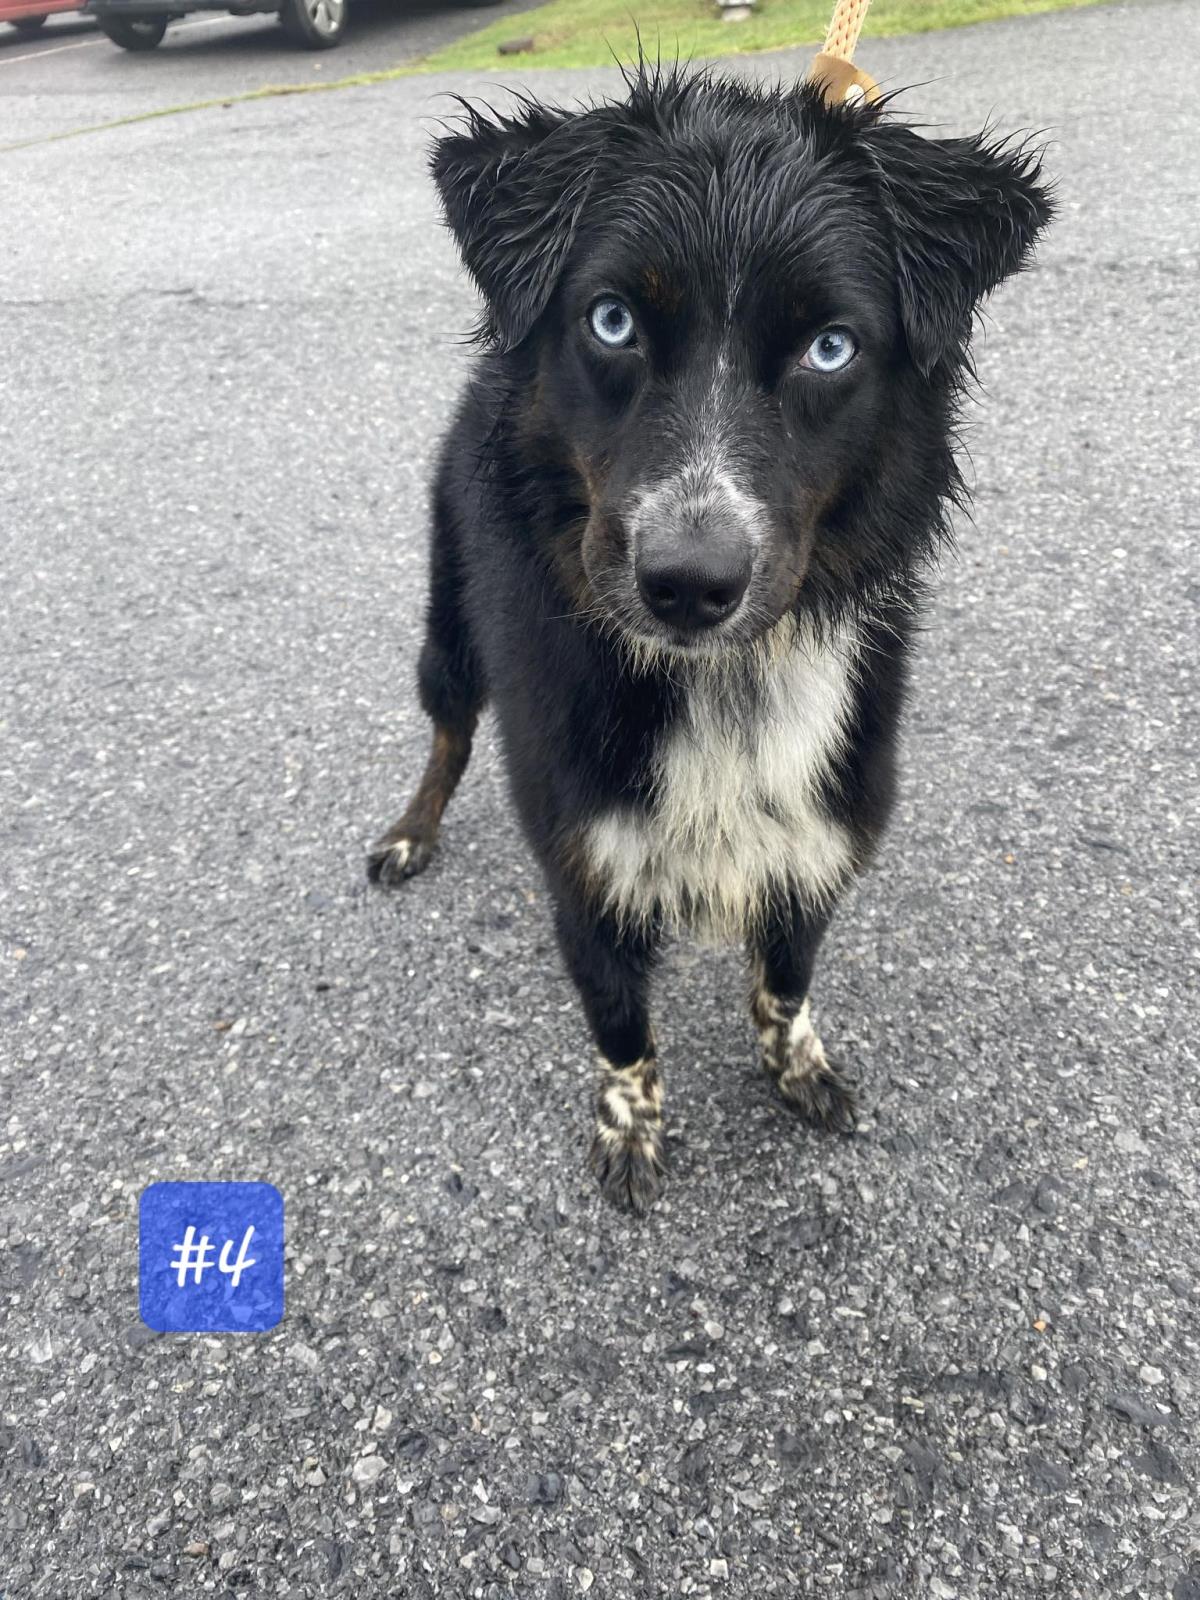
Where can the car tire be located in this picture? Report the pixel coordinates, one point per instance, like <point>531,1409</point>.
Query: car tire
<point>29,24</point>
<point>314,24</point>
<point>135,33</point>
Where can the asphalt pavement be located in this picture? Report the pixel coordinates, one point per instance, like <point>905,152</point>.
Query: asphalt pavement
<point>954,1356</point>
<point>70,76</point>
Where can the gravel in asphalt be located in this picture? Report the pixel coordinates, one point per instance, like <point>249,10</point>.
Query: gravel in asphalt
<point>954,1356</point>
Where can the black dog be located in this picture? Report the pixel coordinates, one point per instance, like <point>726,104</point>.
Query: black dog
<point>682,519</point>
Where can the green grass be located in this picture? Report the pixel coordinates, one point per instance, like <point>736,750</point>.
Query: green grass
<point>588,33</point>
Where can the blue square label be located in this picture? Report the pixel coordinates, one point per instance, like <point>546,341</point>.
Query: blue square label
<point>210,1257</point>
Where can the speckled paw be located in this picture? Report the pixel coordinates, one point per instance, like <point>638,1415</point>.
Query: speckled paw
<point>629,1168</point>
<point>821,1095</point>
<point>795,1058</point>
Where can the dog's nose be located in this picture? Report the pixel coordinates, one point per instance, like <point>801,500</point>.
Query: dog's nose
<point>694,588</point>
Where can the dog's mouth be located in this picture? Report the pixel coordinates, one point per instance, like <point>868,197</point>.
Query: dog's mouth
<point>683,645</point>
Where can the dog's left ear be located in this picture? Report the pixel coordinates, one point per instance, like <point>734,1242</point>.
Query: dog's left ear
<point>512,188</point>
<point>964,215</point>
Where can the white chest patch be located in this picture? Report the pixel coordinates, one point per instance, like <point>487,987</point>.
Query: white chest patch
<point>737,811</point>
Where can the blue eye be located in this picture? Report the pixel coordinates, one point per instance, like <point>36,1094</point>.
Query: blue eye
<point>830,351</point>
<point>612,322</point>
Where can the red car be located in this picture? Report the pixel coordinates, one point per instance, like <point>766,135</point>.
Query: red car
<point>141,24</point>
<point>27,16</point>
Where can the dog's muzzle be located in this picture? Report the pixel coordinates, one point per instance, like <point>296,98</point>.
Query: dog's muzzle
<point>694,551</point>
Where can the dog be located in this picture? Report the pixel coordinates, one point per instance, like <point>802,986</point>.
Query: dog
<point>683,521</point>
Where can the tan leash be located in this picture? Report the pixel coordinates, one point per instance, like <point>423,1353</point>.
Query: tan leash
<point>833,69</point>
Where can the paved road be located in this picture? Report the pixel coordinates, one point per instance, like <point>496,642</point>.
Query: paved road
<point>72,77</point>
<point>954,1357</point>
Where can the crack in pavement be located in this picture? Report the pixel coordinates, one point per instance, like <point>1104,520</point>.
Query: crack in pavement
<point>270,91</point>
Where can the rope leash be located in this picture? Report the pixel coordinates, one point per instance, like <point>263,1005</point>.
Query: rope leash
<point>833,69</point>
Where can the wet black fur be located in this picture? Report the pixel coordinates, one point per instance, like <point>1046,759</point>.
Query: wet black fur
<point>824,214</point>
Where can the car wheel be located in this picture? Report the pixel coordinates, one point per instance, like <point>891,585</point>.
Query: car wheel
<point>134,33</point>
<point>29,24</point>
<point>314,24</point>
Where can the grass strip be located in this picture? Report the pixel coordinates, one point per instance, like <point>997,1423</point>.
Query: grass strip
<point>588,33</point>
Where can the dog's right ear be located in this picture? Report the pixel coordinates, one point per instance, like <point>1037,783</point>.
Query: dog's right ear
<point>512,188</point>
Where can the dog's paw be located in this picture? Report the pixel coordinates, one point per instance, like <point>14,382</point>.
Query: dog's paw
<point>810,1086</point>
<point>629,1167</point>
<point>822,1096</point>
<point>394,858</point>
<point>627,1151</point>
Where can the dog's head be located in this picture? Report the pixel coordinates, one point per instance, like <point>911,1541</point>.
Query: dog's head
<point>738,321</point>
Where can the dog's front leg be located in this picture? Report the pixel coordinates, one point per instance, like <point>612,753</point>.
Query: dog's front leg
<point>782,955</point>
<point>611,965</point>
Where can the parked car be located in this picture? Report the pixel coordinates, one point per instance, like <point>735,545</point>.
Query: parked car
<point>27,16</point>
<point>141,24</point>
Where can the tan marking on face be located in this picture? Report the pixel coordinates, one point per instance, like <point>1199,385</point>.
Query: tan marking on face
<point>567,557</point>
<point>605,556</point>
<point>539,434</point>
<point>661,293</point>
<point>591,477</point>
